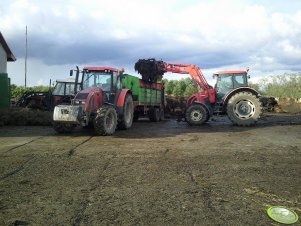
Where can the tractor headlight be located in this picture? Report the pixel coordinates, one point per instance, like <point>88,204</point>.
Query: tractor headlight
<point>79,102</point>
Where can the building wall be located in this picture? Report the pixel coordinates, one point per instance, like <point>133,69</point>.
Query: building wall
<point>3,60</point>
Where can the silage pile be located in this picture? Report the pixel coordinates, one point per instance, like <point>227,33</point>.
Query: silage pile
<point>25,117</point>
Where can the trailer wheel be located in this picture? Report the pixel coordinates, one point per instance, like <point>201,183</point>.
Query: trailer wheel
<point>128,113</point>
<point>63,127</point>
<point>161,114</point>
<point>105,121</point>
<point>136,117</point>
<point>244,109</point>
<point>154,114</point>
<point>196,115</point>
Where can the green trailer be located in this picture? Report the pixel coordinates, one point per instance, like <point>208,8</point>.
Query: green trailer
<point>148,97</point>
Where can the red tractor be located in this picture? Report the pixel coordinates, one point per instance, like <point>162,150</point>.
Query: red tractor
<point>101,102</point>
<point>107,99</point>
<point>231,94</point>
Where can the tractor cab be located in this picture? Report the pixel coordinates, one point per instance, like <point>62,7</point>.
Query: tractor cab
<point>101,77</point>
<point>64,88</point>
<point>228,81</point>
<point>105,78</point>
<point>63,91</point>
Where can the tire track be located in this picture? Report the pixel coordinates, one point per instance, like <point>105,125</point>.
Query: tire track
<point>80,216</point>
<point>23,144</point>
<point>17,170</point>
<point>71,152</point>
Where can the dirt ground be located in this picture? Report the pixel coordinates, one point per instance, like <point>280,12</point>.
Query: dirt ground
<point>164,173</point>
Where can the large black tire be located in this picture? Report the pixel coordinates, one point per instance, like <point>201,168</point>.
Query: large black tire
<point>196,115</point>
<point>244,109</point>
<point>136,117</point>
<point>128,113</point>
<point>63,127</point>
<point>154,114</point>
<point>105,121</point>
<point>162,114</point>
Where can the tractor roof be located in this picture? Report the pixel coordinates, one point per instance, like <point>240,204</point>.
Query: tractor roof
<point>226,72</point>
<point>68,80</point>
<point>100,69</point>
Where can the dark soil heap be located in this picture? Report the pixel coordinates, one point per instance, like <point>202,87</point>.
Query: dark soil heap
<point>150,69</point>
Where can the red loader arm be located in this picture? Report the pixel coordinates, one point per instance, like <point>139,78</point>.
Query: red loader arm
<point>150,69</point>
<point>194,71</point>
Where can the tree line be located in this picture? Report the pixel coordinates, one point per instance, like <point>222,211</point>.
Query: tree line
<point>180,88</point>
<point>18,91</point>
<point>286,85</point>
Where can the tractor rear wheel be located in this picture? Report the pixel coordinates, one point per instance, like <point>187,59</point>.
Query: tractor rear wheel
<point>196,114</point>
<point>154,114</point>
<point>63,127</point>
<point>128,113</point>
<point>244,109</point>
<point>105,121</point>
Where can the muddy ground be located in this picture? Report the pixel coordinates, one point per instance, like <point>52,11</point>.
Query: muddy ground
<point>164,173</point>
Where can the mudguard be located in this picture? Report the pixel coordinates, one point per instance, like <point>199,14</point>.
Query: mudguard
<point>120,100</point>
<point>121,97</point>
<point>237,90</point>
<point>200,99</point>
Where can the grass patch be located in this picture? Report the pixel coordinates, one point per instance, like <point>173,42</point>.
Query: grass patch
<point>25,117</point>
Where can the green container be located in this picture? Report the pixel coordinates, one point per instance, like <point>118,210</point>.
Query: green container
<point>4,91</point>
<point>131,82</point>
<point>143,93</point>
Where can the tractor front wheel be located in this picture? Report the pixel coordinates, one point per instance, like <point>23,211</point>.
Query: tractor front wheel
<point>105,121</point>
<point>244,109</point>
<point>196,115</point>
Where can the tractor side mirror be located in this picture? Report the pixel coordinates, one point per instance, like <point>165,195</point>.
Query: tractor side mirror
<point>71,72</point>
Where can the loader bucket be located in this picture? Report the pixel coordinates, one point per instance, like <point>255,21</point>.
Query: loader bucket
<point>150,69</point>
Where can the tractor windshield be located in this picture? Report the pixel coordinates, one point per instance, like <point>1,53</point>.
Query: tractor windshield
<point>227,82</point>
<point>99,79</point>
<point>64,88</point>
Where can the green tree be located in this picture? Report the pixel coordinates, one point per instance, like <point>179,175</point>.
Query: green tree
<point>177,91</point>
<point>18,91</point>
<point>169,86</point>
<point>183,85</point>
<point>286,85</point>
<point>190,87</point>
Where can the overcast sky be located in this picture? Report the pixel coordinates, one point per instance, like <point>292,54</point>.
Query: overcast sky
<point>215,34</point>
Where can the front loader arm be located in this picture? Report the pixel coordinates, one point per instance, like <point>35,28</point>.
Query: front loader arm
<point>194,72</point>
<point>152,69</point>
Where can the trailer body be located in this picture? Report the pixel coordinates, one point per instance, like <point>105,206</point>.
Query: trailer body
<point>149,100</point>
